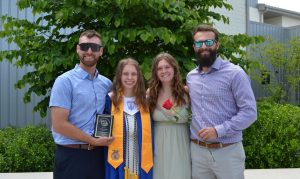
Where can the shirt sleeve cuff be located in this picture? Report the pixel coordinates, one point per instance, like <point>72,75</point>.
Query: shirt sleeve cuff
<point>220,130</point>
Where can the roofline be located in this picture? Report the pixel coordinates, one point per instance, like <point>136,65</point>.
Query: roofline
<point>263,8</point>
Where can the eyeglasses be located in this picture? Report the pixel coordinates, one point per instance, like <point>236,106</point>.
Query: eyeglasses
<point>86,46</point>
<point>208,43</point>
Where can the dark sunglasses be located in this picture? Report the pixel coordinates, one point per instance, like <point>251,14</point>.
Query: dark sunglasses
<point>208,43</point>
<point>94,47</point>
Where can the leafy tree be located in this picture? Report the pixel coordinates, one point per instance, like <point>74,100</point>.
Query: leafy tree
<point>137,28</point>
<point>279,65</point>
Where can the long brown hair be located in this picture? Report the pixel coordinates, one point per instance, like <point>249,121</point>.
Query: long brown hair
<point>155,84</point>
<point>139,89</point>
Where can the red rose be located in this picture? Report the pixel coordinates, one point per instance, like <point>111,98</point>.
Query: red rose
<point>167,104</point>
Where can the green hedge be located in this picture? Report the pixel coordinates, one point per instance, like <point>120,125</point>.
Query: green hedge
<point>273,141</point>
<point>26,149</point>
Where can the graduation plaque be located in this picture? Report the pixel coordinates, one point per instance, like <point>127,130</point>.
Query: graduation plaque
<point>103,125</point>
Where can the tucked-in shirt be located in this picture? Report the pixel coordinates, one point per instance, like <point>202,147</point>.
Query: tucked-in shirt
<point>84,97</point>
<point>221,98</point>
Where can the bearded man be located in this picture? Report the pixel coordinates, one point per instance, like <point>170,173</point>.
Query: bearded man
<point>223,104</point>
<point>77,96</point>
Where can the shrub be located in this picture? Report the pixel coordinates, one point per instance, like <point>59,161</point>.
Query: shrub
<point>26,149</point>
<point>273,141</point>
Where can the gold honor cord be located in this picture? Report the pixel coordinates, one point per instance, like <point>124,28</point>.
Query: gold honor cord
<point>146,156</point>
<point>115,149</point>
<point>126,173</point>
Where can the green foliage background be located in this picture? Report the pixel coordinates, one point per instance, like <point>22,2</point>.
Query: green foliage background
<point>136,28</point>
<point>273,141</point>
<point>26,149</point>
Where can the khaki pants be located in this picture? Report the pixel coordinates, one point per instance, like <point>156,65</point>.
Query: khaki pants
<point>222,163</point>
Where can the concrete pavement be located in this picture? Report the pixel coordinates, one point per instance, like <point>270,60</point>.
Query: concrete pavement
<point>286,173</point>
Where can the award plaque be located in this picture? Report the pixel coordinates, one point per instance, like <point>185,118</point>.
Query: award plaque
<point>103,125</point>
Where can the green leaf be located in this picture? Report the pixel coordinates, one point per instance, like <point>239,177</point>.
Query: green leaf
<point>172,39</point>
<point>111,49</point>
<point>117,22</point>
<point>136,28</point>
<point>144,36</point>
<point>132,35</point>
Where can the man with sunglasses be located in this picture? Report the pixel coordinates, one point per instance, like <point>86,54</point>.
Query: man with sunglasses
<point>76,97</point>
<point>223,104</point>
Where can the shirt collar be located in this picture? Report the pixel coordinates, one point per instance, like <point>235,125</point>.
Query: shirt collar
<point>83,74</point>
<point>217,64</point>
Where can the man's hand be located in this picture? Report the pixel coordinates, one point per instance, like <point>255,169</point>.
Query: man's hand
<point>102,141</point>
<point>208,133</point>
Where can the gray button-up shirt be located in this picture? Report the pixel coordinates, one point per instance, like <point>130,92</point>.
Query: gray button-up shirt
<point>221,98</point>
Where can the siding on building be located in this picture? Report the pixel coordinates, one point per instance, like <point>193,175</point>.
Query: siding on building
<point>254,15</point>
<point>294,31</point>
<point>276,32</point>
<point>279,34</point>
<point>252,3</point>
<point>237,18</point>
<point>13,111</point>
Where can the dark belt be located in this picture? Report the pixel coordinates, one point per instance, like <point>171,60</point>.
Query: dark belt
<point>210,145</point>
<point>81,146</point>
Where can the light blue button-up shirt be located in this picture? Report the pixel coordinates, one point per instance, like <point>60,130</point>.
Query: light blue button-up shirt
<point>83,96</point>
<point>221,98</point>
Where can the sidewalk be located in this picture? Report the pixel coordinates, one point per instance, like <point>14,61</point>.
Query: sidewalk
<point>288,173</point>
<point>284,173</point>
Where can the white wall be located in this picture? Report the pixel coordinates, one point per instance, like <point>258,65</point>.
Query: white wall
<point>274,21</point>
<point>283,21</point>
<point>254,14</point>
<point>289,22</point>
<point>237,18</point>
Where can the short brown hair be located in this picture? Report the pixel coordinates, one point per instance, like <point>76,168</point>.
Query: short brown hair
<point>90,34</point>
<point>206,28</point>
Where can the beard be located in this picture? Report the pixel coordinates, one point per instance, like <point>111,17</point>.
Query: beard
<point>207,59</point>
<point>89,63</point>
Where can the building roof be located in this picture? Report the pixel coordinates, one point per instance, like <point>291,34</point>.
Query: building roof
<point>270,11</point>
